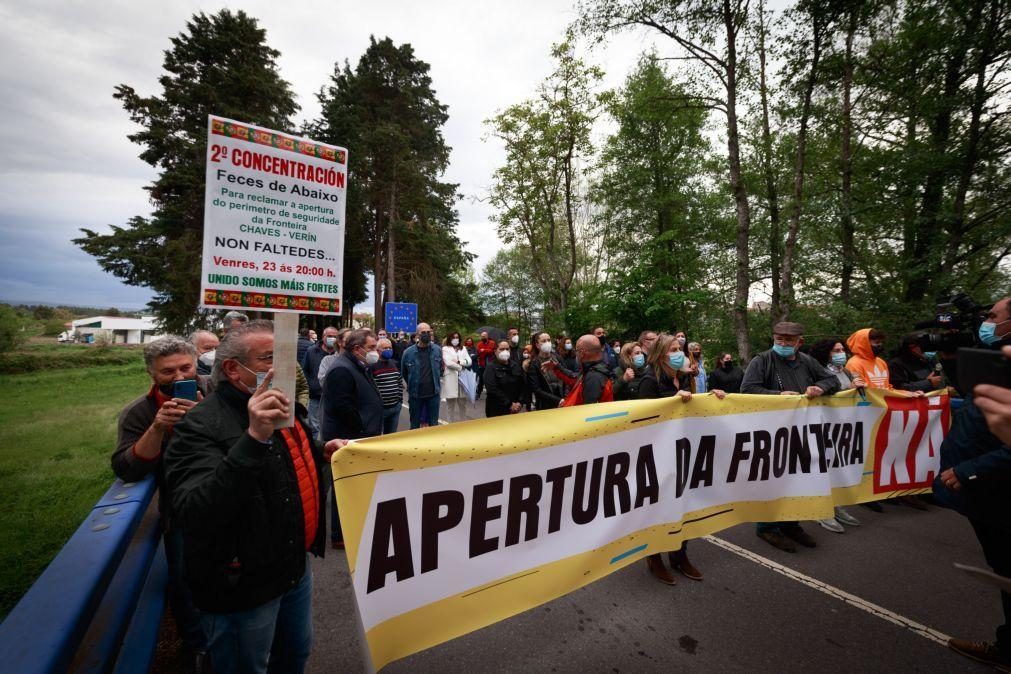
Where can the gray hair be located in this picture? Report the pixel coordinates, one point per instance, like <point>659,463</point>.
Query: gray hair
<point>235,316</point>
<point>234,346</point>
<point>692,345</point>
<point>169,345</point>
<point>197,334</point>
<point>356,338</point>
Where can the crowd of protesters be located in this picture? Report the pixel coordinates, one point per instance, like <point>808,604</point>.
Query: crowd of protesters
<point>248,502</point>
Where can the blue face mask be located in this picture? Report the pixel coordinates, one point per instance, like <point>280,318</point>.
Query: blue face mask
<point>784,351</point>
<point>387,353</point>
<point>839,359</point>
<point>638,360</point>
<point>988,332</point>
<point>676,360</point>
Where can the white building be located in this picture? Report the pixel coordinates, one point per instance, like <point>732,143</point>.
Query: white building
<point>116,329</point>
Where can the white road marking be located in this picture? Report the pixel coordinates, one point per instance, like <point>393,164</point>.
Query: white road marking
<point>825,588</point>
<point>441,422</point>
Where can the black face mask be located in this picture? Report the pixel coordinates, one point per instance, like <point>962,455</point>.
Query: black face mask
<point>167,389</point>
<point>603,340</point>
<point>425,338</point>
<point>728,364</point>
<point>878,349</point>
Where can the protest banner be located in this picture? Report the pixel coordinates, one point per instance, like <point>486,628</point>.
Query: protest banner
<point>449,529</point>
<point>273,221</point>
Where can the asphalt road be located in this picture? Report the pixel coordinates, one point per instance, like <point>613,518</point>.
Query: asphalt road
<point>878,598</point>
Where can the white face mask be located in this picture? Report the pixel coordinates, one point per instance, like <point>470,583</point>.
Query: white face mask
<point>455,342</point>
<point>371,357</point>
<point>330,342</point>
<point>545,347</point>
<point>568,346</point>
<point>503,355</point>
<point>515,339</point>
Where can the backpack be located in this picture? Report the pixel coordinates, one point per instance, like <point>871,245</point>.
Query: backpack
<point>575,396</point>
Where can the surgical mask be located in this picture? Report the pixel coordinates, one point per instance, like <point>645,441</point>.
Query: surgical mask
<point>568,346</point>
<point>425,338</point>
<point>387,353</point>
<point>515,339</point>
<point>698,356</point>
<point>839,359</point>
<point>330,341</point>
<point>681,341</point>
<point>503,355</point>
<point>371,357</point>
<point>207,358</point>
<point>676,360</point>
<point>988,332</point>
<point>381,337</point>
<point>545,347</point>
<point>455,342</point>
<point>638,360</point>
<point>260,376</point>
<point>783,350</point>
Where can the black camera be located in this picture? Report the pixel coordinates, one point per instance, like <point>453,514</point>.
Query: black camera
<point>957,321</point>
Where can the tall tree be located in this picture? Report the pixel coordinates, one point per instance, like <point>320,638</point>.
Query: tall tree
<point>220,65</point>
<point>387,113</point>
<point>708,34</point>
<point>537,190</point>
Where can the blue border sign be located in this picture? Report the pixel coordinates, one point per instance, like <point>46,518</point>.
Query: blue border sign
<point>401,316</point>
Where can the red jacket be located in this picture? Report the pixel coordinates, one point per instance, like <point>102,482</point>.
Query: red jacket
<point>485,350</point>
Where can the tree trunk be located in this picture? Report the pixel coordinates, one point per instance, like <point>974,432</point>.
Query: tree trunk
<point>391,248</point>
<point>789,294</point>
<point>771,190</point>
<point>846,228</point>
<point>377,276</point>
<point>743,277</point>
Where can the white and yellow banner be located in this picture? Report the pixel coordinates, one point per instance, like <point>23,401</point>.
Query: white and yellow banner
<point>449,529</point>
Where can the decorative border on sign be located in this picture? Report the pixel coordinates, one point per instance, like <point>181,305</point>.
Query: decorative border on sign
<point>222,128</point>
<point>268,301</point>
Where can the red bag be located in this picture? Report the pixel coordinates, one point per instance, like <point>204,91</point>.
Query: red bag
<point>575,396</point>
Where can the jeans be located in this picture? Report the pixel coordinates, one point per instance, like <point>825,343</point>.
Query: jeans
<point>314,416</point>
<point>273,637</point>
<point>430,404</point>
<point>391,417</point>
<point>479,371</point>
<point>180,599</point>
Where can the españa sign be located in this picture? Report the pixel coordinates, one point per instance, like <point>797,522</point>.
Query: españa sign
<point>273,221</point>
<point>449,529</point>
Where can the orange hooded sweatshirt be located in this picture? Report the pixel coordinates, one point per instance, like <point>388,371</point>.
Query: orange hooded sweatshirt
<point>864,363</point>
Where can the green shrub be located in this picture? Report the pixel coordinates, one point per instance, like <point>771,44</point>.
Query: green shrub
<point>12,329</point>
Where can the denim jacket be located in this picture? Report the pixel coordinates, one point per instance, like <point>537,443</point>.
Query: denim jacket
<point>410,367</point>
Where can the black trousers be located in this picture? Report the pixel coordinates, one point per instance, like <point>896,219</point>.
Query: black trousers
<point>993,529</point>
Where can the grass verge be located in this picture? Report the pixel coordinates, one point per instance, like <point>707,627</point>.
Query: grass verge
<point>57,433</point>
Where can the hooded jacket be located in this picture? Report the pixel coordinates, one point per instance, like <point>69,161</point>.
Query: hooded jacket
<point>864,363</point>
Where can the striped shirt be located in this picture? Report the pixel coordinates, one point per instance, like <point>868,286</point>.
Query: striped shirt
<point>386,374</point>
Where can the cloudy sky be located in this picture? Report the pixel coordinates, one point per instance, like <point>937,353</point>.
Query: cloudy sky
<point>67,162</point>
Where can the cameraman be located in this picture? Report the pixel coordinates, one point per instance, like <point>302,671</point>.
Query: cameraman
<point>910,370</point>
<point>975,479</point>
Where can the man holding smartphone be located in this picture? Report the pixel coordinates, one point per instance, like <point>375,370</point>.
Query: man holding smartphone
<point>974,479</point>
<point>145,427</point>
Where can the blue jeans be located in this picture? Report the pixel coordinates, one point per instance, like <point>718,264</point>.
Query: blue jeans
<point>415,405</point>
<point>273,637</point>
<point>314,416</point>
<point>391,418</point>
<point>180,599</point>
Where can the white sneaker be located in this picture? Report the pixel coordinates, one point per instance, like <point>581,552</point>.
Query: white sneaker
<point>844,517</point>
<point>832,525</point>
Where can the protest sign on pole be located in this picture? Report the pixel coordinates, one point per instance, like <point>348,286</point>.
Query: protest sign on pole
<point>449,529</point>
<point>274,210</point>
<point>273,221</point>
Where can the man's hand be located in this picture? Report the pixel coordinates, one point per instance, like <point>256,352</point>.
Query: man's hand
<point>995,404</point>
<point>934,379</point>
<point>514,408</point>
<point>266,407</point>
<point>172,412</point>
<point>814,391</point>
<point>331,447</point>
<point>720,394</point>
<point>858,382</point>
<point>629,374</point>
<point>950,480</point>
<point>788,393</point>
<point>684,395</point>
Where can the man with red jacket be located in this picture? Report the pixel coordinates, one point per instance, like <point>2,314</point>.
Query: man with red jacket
<point>485,350</point>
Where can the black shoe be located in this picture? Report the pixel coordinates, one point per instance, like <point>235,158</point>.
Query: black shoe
<point>873,505</point>
<point>913,502</point>
<point>799,535</point>
<point>982,651</point>
<point>777,540</point>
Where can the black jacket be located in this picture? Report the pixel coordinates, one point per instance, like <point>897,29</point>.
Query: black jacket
<point>628,390</point>
<point>546,395</point>
<point>771,374</point>
<point>595,378</point>
<point>727,381</point>
<point>909,373</point>
<point>238,504</point>
<point>314,355</point>
<point>653,386</point>
<point>505,384</point>
<point>351,406</point>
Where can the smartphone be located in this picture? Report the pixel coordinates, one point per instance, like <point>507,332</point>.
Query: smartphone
<point>185,389</point>
<point>982,366</point>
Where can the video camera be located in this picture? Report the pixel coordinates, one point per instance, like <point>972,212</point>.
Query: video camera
<point>958,320</point>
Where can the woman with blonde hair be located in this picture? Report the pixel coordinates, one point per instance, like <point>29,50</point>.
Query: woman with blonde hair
<point>630,371</point>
